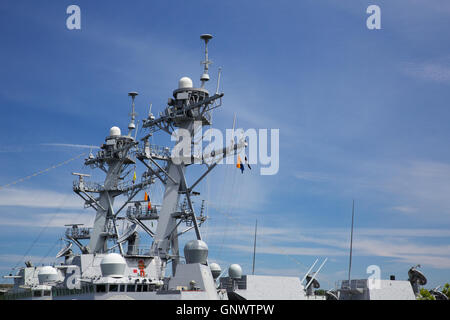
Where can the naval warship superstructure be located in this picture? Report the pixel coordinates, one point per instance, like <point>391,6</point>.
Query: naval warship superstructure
<point>109,264</point>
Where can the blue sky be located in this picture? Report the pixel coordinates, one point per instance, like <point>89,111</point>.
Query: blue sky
<point>363,114</point>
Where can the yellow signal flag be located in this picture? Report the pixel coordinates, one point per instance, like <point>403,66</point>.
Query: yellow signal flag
<point>134,176</point>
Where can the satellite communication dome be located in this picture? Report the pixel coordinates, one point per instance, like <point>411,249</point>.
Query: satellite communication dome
<point>114,131</point>
<point>47,274</point>
<point>215,270</point>
<point>235,271</point>
<point>113,265</point>
<point>185,82</point>
<point>196,251</point>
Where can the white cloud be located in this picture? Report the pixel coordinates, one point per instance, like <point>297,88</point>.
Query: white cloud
<point>283,250</point>
<point>39,198</point>
<point>436,71</point>
<point>312,176</point>
<point>69,145</point>
<point>407,245</point>
<point>15,258</point>
<point>238,192</point>
<point>50,220</point>
<point>404,209</point>
<point>418,188</point>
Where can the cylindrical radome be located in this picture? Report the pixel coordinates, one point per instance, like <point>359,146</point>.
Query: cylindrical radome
<point>113,265</point>
<point>47,274</point>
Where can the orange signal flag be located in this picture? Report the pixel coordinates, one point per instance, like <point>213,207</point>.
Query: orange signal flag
<point>239,164</point>
<point>239,161</point>
<point>146,197</point>
<point>149,205</point>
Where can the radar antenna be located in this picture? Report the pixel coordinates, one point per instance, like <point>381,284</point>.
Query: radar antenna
<point>416,278</point>
<point>64,251</point>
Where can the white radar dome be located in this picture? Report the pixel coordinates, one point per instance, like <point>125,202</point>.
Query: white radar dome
<point>47,274</point>
<point>215,270</point>
<point>196,251</point>
<point>113,265</point>
<point>185,82</point>
<point>114,131</point>
<point>235,271</point>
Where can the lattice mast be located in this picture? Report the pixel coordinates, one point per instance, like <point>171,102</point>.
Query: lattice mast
<point>189,108</point>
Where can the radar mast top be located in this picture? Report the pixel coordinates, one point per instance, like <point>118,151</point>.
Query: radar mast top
<point>207,62</point>
<point>132,126</point>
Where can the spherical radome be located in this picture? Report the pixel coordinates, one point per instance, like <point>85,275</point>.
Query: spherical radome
<point>114,131</point>
<point>235,271</point>
<point>215,270</point>
<point>185,82</point>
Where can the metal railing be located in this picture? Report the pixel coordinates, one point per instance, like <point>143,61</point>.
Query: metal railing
<point>155,151</point>
<point>142,213</point>
<point>88,186</point>
<point>78,233</point>
<point>354,284</point>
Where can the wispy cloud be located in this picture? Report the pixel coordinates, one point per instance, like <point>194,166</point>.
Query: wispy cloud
<point>283,250</point>
<point>68,145</point>
<point>243,192</point>
<point>404,209</point>
<point>428,255</point>
<point>418,188</point>
<point>436,71</point>
<point>9,149</point>
<point>15,258</point>
<point>38,198</point>
<point>403,245</point>
<point>312,176</point>
<point>47,220</point>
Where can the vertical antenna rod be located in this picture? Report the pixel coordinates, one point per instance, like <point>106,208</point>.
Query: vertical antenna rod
<point>351,243</point>
<point>254,248</point>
